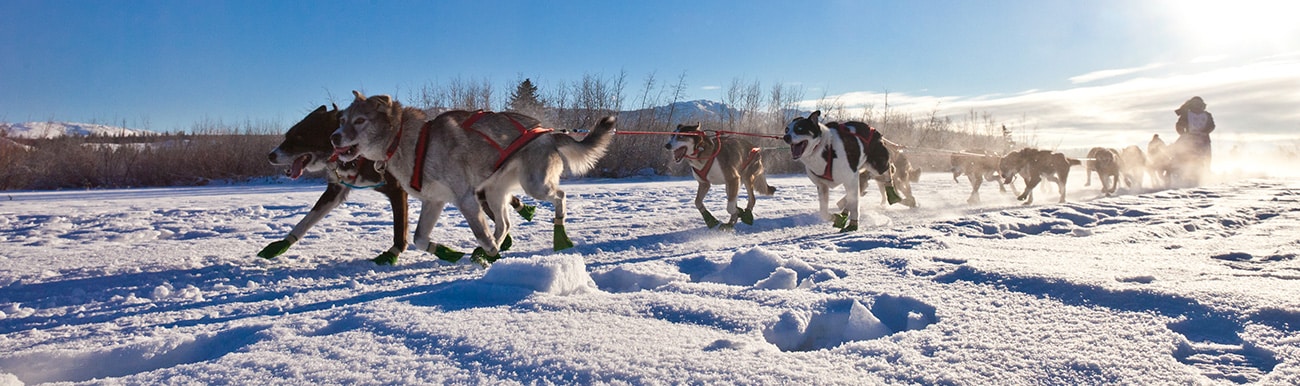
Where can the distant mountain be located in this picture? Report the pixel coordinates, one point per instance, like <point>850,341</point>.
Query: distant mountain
<point>59,129</point>
<point>696,111</point>
<point>689,112</point>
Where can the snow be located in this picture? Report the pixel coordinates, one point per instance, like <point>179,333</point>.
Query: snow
<point>58,129</point>
<point>161,286</point>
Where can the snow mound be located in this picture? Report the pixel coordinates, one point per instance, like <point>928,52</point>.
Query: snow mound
<point>556,274</point>
<point>841,321</point>
<point>637,277</point>
<point>765,269</point>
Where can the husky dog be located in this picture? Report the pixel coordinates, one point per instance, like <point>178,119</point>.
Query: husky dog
<point>1033,165</point>
<point>1160,161</point>
<point>1105,162</point>
<point>1133,165</point>
<point>978,166</point>
<point>720,159</point>
<point>306,147</point>
<point>1177,164</point>
<point>471,159</point>
<point>903,172</point>
<point>842,154</point>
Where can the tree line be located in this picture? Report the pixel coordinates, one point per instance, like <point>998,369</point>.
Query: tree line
<point>213,151</point>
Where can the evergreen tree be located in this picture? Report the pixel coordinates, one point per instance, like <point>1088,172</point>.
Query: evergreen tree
<point>524,99</point>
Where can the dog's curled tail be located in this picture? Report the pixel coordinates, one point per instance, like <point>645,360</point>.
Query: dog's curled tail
<point>581,156</point>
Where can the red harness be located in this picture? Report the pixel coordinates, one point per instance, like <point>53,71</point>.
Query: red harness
<point>703,174</point>
<point>526,135</point>
<point>828,153</point>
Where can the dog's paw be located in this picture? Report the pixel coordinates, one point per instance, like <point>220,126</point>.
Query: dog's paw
<point>561,238</point>
<point>853,226</point>
<point>507,243</point>
<point>747,217</point>
<point>447,254</point>
<point>275,249</point>
<point>386,258</point>
<point>480,257</point>
<point>731,227</point>
<point>527,211</point>
<point>709,220</point>
<point>839,219</point>
<point>891,195</point>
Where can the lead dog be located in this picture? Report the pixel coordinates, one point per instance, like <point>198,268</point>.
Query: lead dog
<point>306,147</point>
<point>1106,163</point>
<point>471,159</point>
<point>978,166</point>
<point>719,159</point>
<point>847,155</point>
<point>1033,166</point>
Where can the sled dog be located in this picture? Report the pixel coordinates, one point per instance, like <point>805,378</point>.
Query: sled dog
<point>470,159</point>
<point>1106,163</point>
<point>721,159</point>
<point>306,147</point>
<point>1033,166</point>
<point>1167,164</point>
<point>904,173</point>
<point>978,166</point>
<point>842,154</point>
<point>1132,166</point>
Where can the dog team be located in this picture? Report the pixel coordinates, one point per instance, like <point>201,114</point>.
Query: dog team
<point>475,159</point>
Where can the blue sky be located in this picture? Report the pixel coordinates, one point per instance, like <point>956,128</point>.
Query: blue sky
<point>1068,70</point>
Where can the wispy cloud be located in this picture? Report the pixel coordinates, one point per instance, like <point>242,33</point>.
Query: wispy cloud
<point>1105,74</point>
<point>1250,102</point>
<point>711,88</point>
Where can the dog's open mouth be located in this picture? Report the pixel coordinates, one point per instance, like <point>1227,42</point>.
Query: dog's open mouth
<point>797,149</point>
<point>679,153</point>
<point>300,163</point>
<point>347,153</point>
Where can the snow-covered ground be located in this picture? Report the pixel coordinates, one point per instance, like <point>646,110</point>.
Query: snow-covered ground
<point>59,129</point>
<point>161,286</point>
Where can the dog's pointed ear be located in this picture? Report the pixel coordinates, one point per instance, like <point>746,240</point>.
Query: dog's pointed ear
<point>336,107</point>
<point>381,100</point>
<point>359,95</point>
<point>319,110</point>
<point>815,116</point>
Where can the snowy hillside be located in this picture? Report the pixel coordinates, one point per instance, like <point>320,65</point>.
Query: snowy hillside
<point>161,286</point>
<point>58,129</point>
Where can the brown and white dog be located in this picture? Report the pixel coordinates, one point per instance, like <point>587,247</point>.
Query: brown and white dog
<point>1033,166</point>
<point>1133,166</point>
<point>471,159</point>
<point>978,166</point>
<point>306,147</point>
<point>1106,163</point>
<point>904,173</point>
<point>721,159</point>
<point>845,154</point>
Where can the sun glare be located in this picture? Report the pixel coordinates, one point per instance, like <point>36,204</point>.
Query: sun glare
<point>1213,27</point>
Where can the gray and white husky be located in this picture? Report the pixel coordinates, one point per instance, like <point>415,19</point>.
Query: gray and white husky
<point>721,159</point>
<point>470,159</point>
<point>847,154</point>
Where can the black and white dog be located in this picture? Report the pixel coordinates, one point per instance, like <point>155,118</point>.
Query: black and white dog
<point>848,154</point>
<point>307,147</point>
